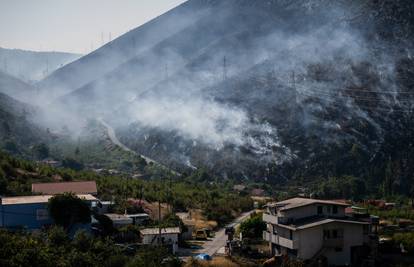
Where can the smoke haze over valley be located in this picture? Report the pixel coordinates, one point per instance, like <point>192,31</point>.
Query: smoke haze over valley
<point>254,89</point>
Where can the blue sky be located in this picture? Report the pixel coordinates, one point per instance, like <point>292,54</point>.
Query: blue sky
<point>72,25</point>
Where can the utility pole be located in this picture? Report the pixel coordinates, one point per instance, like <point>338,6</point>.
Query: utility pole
<point>5,65</point>
<point>47,66</point>
<point>159,217</point>
<point>224,68</point>
<point>293,83</point>
<point>170,193</point>
<point>2,212</point>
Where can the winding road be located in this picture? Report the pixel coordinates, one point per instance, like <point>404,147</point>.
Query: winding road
<point>112,136</point>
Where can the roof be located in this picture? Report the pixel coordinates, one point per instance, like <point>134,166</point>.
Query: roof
<point>88,187</point>
<point>118,217</point>
<point>155,231</point>
<point>300,202</point>
<point>38,199</point>
<point>317,221</point>
<point>257,192</point>
<point>138,215</point>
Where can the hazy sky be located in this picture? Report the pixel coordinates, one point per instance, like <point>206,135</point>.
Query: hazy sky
<point>72,25</point>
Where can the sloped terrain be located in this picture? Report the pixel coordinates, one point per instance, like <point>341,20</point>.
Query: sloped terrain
<point>279,89</point>
<point>16,88</point>
<point>18,132</point>
<point>31,66</point>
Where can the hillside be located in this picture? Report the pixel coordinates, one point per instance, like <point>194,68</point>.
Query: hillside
<point>18,132</point>
<point>93,66</point>
<point>16,88</point>
<point>262,89</point>
<point>31,66</point>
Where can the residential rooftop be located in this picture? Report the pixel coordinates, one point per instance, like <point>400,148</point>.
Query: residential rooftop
<point>117,217</point>
<point>317,220</point>
<point>38,199</point>
<point>87,187</point>
<point>155,231</point>
<point>300,202</point>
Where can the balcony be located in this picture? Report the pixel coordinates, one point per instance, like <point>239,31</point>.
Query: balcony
<point>268,218</point>
<point>281,241</point>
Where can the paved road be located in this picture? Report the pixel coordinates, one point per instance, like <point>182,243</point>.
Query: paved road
<point>212,246</point>
<point>115,140</point>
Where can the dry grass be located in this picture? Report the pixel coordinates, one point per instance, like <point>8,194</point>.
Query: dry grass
<point>197,219</point>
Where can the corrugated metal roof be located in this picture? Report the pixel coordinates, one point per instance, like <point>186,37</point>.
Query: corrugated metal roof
<point>38,199</point>
<point>88,187</point>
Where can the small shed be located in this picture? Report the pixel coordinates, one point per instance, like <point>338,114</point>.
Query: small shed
<point>169,236</point>
<point>139,218</point>
<point>119,220</point>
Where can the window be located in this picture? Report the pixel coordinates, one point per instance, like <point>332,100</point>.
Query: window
<point>320,210</point>
<point>328,209</point>
<point>334,233</point>
<point>290,234</point>
<point>326,234</point>
<point>335,209</point>
<point>42,214</point>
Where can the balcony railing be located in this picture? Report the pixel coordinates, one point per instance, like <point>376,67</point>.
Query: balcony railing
<point>268,218</point>
<point>281,241</point>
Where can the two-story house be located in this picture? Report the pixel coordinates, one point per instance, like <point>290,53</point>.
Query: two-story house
<point>311,229</point>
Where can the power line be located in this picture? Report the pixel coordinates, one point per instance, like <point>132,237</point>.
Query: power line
<point>355,98</point>
<point>374,108</point>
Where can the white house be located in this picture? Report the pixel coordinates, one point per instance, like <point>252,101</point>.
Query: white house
<point>169,236</point>
<point>311,229</point>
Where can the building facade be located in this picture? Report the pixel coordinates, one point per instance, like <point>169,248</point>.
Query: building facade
<point>310,230</point>
<point>169,237</point>
<point>30,212</point>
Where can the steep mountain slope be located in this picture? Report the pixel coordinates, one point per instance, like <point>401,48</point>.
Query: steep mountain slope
<point>16,88</point>
<point>17,130</point>
<point>31,66</point>
<point>96,64</point>
<point>257,88</point>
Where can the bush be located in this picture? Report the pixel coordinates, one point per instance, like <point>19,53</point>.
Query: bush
<point>407,239</point>
<point>67,210</point>
<point>253,227</point>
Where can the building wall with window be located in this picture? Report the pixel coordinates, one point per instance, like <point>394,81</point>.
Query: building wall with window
<point>28,216</point>
<point>313,210</point>
<point>335,239</point>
